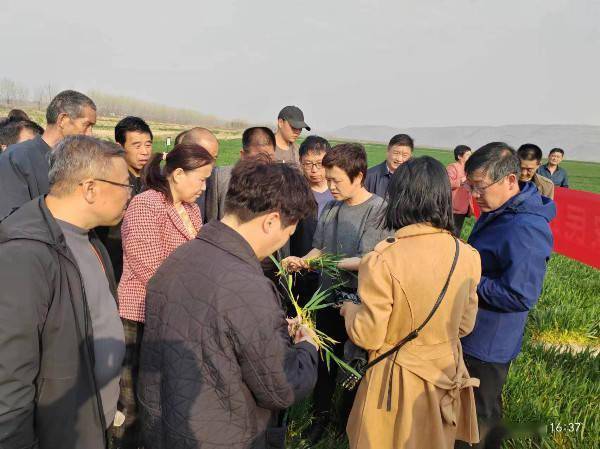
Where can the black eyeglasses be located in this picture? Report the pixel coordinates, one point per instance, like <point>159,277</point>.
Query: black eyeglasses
<point>125,186</point>
<point>310,165</point>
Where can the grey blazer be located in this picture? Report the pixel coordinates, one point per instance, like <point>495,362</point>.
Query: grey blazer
<point>216,190</point>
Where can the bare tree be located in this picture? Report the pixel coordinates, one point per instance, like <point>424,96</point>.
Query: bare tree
<point>8,91</point>
<point>43,95</point>
<point>39,97</point>
<point>21,94</point>
<point>51,91</point>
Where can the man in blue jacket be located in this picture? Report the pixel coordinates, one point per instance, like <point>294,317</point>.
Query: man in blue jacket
<point>514,240</point>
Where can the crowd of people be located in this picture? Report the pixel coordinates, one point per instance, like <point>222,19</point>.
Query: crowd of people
<point>140,309</point>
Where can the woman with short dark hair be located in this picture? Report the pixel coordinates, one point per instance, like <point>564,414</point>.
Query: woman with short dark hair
<point>349,226</point>
<point>421,395</point>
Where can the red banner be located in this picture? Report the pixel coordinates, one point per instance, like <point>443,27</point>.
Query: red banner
<point>576,227</point>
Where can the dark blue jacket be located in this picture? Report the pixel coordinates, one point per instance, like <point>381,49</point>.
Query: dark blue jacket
<point>378,179</point>
<point>515,243</point>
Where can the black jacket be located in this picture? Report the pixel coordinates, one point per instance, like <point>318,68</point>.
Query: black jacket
<point>377,179</point>
<point>48,394</point>
<point>217,364</point>
<point>23,174</point>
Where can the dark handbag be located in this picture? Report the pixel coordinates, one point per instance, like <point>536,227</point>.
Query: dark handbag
<point>351,381</point>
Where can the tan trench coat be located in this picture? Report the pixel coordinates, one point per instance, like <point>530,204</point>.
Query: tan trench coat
<point>431,401</point>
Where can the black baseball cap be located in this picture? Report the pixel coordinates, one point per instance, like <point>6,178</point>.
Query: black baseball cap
<point>294,116</point>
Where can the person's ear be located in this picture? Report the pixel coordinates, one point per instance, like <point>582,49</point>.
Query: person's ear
<point>271,222</point>
<point>513,180</point>
<point>178,174</point>
<point>62,120</point>
<point>359,179</point>
<point>242,153</point>
<point>89,189</point>
<point>280,123</point>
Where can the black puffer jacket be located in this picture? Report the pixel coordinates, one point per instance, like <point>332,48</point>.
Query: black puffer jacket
<point>217,364</point>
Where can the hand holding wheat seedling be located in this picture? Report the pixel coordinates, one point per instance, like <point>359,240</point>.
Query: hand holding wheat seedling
<point>305,316</point>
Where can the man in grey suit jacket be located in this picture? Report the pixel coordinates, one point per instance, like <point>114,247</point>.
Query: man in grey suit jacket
<point>255,141</point>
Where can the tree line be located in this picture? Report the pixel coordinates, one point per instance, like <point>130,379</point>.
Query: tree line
<point>14,94</point>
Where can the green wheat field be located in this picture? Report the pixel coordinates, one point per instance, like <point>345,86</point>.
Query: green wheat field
<point>546,387</point>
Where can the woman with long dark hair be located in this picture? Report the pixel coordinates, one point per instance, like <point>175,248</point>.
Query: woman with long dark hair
<point>156,223</point>
<point>420,395</point>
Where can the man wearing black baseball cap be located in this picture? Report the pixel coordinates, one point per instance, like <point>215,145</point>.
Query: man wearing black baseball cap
<point>289,126</point>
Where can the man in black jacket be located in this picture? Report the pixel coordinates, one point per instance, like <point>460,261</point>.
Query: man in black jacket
<point>24,166</point>
<point>61,340</point>
<point>217,363</point>
<point>399,150</point>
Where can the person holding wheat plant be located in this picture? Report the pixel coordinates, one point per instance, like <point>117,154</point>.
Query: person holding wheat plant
<point>348,228</point>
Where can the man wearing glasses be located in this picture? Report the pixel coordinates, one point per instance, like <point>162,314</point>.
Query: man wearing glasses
<point>514,240</point>
<point>312,151</point>
<point>530,156</point>
<point>61,339</point>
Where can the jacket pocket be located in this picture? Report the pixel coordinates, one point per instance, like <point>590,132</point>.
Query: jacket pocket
<point>276,437</point>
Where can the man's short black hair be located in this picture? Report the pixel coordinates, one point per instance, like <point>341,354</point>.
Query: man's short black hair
<point>403,140</point>
<point>131,124</point>
<point>250,134</point>
<point>530,152</point>
<point>496,159</point>
<point>460,150</point>
<point>18,115</point>
<point>259,186</point>
<point>10,130</point>
<point>313,144</point>
<point>557,150</point>
<point>419,192</point>
<point>68,102</point>
<point>349,157</point>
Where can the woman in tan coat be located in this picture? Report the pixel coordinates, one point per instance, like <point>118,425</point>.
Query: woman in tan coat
<point>422,396</point>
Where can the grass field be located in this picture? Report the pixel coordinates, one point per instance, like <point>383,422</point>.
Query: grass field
<point>544,386</point>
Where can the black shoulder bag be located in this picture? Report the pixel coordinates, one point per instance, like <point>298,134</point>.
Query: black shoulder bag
<point>351,381</point>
